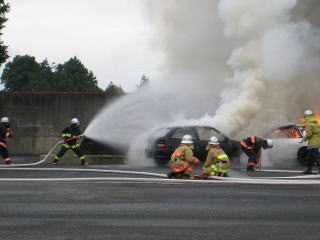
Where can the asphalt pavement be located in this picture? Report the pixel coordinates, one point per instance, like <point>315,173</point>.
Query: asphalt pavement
<point>126,209</point>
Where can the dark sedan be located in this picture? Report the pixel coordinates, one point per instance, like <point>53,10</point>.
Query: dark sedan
<point>163,141</point>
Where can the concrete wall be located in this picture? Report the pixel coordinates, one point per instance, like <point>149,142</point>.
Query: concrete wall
<point>38,118</point>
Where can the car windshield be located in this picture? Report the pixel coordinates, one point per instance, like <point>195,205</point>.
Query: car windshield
<point>159,133</point>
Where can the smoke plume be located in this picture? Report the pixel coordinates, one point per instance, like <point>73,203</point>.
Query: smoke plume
<point>242,66</point>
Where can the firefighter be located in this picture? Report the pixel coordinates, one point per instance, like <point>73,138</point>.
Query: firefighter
<point>70,135</point>
<point>182,160</point>
<point>217,162</point>
<point>312,136</point>
<point>5,133</point>
<point>252,147</point>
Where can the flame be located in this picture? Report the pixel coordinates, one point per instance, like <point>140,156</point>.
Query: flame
<point>286,133</point>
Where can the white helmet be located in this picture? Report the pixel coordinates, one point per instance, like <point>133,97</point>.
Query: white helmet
<point>308,112</point>
<point>270,143</point>
<point>5,120</point>
<point>214,140</point>
<point>187,139</point>
<point>75,120</point>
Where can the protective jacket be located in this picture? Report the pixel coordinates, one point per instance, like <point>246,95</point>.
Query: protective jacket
<point>252,143</point>
<point>217,160</point>
<point>182,160</point>
<point>312,131</point>
<point>4,132</point>
<point>70,134</point>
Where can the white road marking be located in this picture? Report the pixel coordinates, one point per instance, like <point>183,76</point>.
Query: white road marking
<point>157,180</point>
<point>214,180</point>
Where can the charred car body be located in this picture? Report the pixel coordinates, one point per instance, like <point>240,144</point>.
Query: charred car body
<point>163,141</point>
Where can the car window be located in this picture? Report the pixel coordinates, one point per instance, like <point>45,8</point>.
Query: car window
<point>206,133</point>
<point>161,132</point>
<point>180,132</point>
<point>285,133</point>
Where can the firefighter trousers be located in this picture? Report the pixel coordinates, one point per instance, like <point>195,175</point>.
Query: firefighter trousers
<point>65,148</point>
<point>4,152</point>
<point>312,157</point>
<point>252,161</point>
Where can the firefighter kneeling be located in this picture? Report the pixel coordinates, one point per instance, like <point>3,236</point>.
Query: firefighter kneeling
<point>182,160</point>
<point>252,147</point>
<point>217,162</point>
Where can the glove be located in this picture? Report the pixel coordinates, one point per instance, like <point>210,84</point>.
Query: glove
<point>196,160</point>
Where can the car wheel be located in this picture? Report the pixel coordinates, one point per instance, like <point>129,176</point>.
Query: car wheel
<point>302,156</point>
<point>161,161</point>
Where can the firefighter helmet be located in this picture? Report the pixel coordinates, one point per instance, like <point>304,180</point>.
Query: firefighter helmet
<point>214,140</point>
<point>5,120</point>
<point>308,112</point>
<point>75,120</point>
<point>187,139</point>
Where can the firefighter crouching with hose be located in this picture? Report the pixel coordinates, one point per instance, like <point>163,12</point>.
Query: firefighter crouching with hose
<point>217,162</point>
<point>5,133</point>
<point>252,147</point>
<point>182,160</point>
<point>70,135</point>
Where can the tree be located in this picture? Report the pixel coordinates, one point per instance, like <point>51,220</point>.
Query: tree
<point>4,8</point>
<point>23,73</point>
<point>72,76</point>
<point>114,90</point>
<point>144,81</point>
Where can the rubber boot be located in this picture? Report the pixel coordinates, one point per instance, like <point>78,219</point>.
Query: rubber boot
<point>170,175</point>
<point>308,170</point>
<point>84,163</point>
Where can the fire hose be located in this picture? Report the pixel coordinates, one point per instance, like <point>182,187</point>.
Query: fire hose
<point>45,157</point>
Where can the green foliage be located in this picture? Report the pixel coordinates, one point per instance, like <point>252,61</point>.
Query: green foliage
<point>4,8</point>
<point>24,73</point>
<point>114,90</point>
<point>72,76</point>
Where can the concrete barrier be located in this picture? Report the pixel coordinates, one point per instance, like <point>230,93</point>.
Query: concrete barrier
<point>38,118</point>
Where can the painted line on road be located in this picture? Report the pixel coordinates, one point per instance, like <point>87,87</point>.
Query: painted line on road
<point>254,180</point>
<point>157,180</point>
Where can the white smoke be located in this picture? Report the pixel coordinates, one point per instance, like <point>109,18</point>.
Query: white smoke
<point>242,66</point>
<point>276,51</point>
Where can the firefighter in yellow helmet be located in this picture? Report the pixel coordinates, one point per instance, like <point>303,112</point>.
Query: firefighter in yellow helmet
<point>312,136</point>
<point>217,162</point>
<point>182,160</point>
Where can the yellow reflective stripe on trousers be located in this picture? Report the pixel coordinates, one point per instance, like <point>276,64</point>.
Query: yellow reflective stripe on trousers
<point>83,157</point>
<point>65,145</point>
<point>75,146</point>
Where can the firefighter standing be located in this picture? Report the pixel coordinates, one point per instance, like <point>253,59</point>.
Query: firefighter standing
<point>5,133</point>
<point>217,162</point>
<point>182,160</point>
<point>252,147</point>
<point>70,135</point>
<point>312,136</point>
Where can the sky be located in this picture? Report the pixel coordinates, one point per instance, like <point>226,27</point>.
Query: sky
<point>112,38</point>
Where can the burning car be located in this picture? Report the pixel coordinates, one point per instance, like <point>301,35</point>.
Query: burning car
<point>287,143</point>
<point>163,141</point>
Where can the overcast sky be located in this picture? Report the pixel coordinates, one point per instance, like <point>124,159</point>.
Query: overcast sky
<point>112,38</point>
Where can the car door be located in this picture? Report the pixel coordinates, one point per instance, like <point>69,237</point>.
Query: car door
<point>174,139</point>
<point>204,134</point>
<point>286,144</point>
